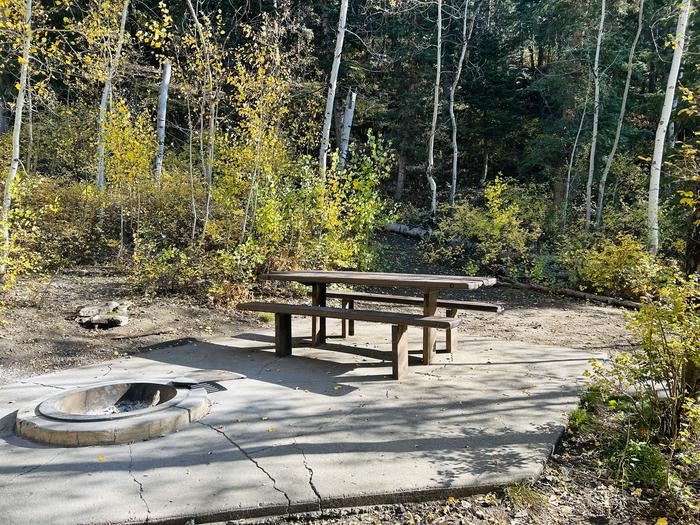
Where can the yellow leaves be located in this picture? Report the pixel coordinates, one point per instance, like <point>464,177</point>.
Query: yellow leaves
<point>18,86</point>
<point>662,521</point>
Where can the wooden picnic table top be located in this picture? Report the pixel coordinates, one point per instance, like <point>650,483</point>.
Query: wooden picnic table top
<point>404,280</point>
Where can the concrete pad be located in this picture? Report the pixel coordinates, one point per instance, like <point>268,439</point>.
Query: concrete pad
<point>325,427</point>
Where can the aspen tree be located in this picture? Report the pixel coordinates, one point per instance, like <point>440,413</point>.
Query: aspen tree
<point>112,64</point>
<point>596,113</point>
<point>660,140</point>
<point>332,82</point>
<point>466,36</point>
<point>162,110</point>
<point>436,108</point>
<point>26,30</point>
<point>620,120</point>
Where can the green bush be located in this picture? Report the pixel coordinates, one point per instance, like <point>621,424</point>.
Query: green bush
<point>621,267</point>
<point>637,463</point>
<point>653,389</point>
<point>505,233</point>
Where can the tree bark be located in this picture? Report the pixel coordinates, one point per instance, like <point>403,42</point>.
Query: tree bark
<point>660,140</point>
<point>400,176</point>
<point>30,125</point>
<point>596,113</point>
<point>162,111</point>
<point>4,116</point>
<point>692,252</point>
<point>16,135</point>
<point>466,36</point>
<point>106,92</point>
<point>620,120</point>
<point>346,128</point>
<point>485,170</point>
<point>567,188</point>
<point>436,108</point>
<point>330,99</point>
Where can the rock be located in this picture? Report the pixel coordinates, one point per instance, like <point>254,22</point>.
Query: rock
<point>105,315</point>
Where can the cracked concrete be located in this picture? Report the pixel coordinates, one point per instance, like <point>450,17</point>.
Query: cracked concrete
<point>140,485</point>
<point>252,460</point>
<point>311,476</point>
<point>323,428</point>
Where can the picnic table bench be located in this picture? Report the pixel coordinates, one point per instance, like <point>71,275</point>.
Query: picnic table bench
<point>430,285</point>
<point>399,321</point>
<point>452,306</point>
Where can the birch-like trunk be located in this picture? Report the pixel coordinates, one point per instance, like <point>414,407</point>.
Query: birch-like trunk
<point>106,92</point>
<point>660,140</point>
<point>620,120</point>
<point>16,134</point>
<point>485,170</point>
<point>436,108</point>
<point>567,188</point>
<point>596,113</point>
<point>466,36</point>
<point>30,125</point>
<point>162,111</point>
<point>346,127</point>
<point>330,99</point>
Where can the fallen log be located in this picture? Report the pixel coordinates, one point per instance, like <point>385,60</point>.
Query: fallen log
<point>614,301</point>
<point>418,233</point>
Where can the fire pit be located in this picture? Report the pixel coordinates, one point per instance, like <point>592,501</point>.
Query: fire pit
<point>111,413</point>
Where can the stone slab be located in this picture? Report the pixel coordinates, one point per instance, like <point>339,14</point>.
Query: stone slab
<point>325,427</point>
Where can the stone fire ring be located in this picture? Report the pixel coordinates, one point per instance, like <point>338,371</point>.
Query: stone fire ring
<point>76,418</point>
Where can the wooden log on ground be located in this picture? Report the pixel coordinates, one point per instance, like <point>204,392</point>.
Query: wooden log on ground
<point>418,233</point>
<point>614,301</point>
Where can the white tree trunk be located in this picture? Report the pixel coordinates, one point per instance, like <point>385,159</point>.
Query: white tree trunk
<point>466,36</point>
<point>330,99</point>
<point>346,126</point>
<point>436,108</point>
<point>485,170</point>
<point>30,124</point>
<point>596,113</point>
<point>162,111</point>
<point>16,134</point>
<point>106,92</point>
<point>620,120</point>
<point>657,159</point>
<point>567,189</point>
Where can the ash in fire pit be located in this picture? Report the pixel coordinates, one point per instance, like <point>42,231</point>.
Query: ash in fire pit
<point>127,405</point>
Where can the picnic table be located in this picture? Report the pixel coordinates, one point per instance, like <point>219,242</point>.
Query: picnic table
<point>429,285</point>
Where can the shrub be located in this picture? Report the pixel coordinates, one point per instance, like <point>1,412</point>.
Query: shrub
<point>654,388</point>
<point>505,233</point>
<point>621,267</point>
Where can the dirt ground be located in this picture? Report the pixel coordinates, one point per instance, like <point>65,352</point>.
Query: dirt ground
<point>39,334</point>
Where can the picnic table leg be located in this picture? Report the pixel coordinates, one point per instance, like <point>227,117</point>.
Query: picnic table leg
<point>318,324</point>
<point>351,322</point>
<point>283,335</point>
<point>399,351</point>
<point>348,324</point>
<point>451,332</point>
<point>429,334</point>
